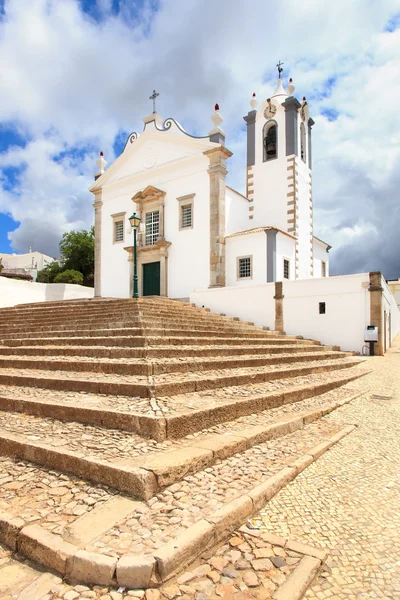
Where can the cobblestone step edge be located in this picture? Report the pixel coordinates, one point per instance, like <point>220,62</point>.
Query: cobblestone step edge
<point>141,572</point>
<point>183,383</point>
<point>149,366</point>
<point>175,426</point>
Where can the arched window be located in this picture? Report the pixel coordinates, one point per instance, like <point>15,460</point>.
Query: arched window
<point>270,140</point>
<point>303,153</point>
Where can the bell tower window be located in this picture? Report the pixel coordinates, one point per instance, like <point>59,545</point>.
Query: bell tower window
<point>270,141</point>
<point>303,143</point>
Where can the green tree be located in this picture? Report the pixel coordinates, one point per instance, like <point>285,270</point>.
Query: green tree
<point>69,276</point>
<point>49,273</point>
<point>77,253</point>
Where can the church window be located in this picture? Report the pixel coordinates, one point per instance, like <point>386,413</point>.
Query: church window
<point>244,267</point>
<point>119,231</point>
<point>186,216</point>
<point>118,227</point>
<point>303,153</point>
<point>323,268</point>
<point>322,308</point>
<point>270,141</point>
<point>286,269</point>
<point>152,222</point>
<point>186,209</point>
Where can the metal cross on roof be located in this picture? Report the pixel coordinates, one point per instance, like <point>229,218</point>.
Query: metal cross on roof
<point>153,97</point>
<point>279,65</point>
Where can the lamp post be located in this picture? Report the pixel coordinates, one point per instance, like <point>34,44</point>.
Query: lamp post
<point>134,220</point>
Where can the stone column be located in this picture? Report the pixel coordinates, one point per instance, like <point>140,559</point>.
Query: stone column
<point>163,272</point>
<point>97,242</point>
<point>279,306</point>
<point>291,106</point>
<point>376,310</point>
<point>217,172</point>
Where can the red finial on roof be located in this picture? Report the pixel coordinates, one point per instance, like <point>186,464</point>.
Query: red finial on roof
<point>254,94</point>
<point>101,153</point>
<point>290,80</point>
<point>216,107</point>
<point>304,98</point>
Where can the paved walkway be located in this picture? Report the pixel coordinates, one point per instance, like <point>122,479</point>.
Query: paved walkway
<point>349,500</point>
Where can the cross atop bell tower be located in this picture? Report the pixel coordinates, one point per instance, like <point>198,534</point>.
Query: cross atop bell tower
<point>280,69</point>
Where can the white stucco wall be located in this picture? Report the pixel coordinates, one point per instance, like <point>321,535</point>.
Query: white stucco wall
<point>347,309</point>
<point>392,311</point>
<point>320,254</point>
<point>14,292</point>
<point>346,297</point>
<point>251,303</point>
<point>249,244</point>
<point>237,212</point>
<point>188,255</point>
<point>285,249</point>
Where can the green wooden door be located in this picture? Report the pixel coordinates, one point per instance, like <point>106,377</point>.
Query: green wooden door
<point>151,279</point>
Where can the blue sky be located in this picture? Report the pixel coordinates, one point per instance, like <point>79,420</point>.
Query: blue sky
<point>76,76</point>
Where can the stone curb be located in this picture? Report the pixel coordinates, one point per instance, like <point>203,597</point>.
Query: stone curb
<point>299,580</point>
<point>44,547</point>
<point>147,477</point>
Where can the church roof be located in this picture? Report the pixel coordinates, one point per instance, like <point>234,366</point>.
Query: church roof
<point>258,229</point>
<point>322,242</point>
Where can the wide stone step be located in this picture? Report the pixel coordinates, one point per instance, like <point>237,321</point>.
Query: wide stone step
<point>159,536</point>
<point>135,331</point>
<point>163,351</point>
<point>167,365</point>
<point>165,384</point>
<point>141,341</point>
<point>175,416</point>
<point>137,466</point>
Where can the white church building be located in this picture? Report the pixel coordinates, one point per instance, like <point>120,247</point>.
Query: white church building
<point>196,232</point>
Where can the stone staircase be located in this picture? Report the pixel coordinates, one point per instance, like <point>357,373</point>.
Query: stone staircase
<point>162,413</point>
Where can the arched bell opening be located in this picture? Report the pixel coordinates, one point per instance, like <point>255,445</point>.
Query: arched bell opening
<point>270,141</point>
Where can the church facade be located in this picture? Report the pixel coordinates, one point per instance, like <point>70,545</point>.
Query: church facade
<point>197,232</point>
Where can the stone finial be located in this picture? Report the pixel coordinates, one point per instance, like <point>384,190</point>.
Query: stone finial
<point>217,134</point>
<point>254,102</point>
<point>101,163</point>
<point>217,117</point>
<point>290,87</point>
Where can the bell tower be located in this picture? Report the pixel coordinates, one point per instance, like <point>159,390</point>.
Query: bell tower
<point>279,184</point>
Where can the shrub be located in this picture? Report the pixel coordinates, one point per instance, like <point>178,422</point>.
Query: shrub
<point>69,276</point>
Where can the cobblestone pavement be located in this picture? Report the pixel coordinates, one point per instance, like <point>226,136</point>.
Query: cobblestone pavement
<point>349,500</point>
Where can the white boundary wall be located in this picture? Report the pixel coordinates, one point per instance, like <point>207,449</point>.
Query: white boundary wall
<point>390,306</point>
<point>347,305</point>
<point>347,302</point>
<point>13,291</point>
<point>249,303</point>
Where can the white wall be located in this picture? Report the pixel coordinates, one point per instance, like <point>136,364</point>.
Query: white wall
<point>237,212</point>
<point>14,292</point>
<point>347,309</point>
<point>320,254</point>
<point>252,303</point>
<point>249,244</point>
<point>285,248</point>
<point>392,314</point>
<point>346,297</point>
<point>304,219</point>
<point>189,253</point>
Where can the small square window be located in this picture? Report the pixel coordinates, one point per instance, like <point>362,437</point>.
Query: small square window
<point>244,267</point>
<point>118,231</point>
<point>322,308</point>
<point>186,216</point>
<point>286,269</point>
<point>323,268</point>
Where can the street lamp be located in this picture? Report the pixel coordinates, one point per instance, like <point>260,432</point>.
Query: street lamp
<point>134,220</point>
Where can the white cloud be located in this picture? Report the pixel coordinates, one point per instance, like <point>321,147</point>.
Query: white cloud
<point>71,82</point>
